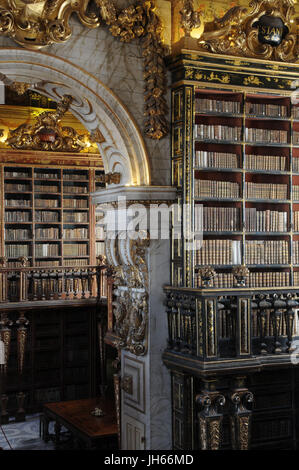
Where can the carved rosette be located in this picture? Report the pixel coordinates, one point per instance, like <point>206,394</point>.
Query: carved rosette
<point>128,260</point>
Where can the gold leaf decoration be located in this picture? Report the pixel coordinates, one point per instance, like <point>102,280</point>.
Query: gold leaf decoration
<point>236,33</point>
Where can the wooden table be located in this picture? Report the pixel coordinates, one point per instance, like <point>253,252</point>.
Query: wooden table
<point>86,430</point>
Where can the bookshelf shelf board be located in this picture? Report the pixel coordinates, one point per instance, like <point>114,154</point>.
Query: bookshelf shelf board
<point>18,223</point>
<point>17,193</point>
<point>224,232</point>
<point>267,118</point>
<point>219,170</point>
<point>218,142</point>
<point>16,178</point>
<point>268,144</point>
<point>47,193</point>
<point>43,180</point>
<point>68,209</point>
<point>23,240</point>
<point>267,265</point>
<point>67,240</point>
<point>270,201</point>
<point>217,114</point>
<point>76,257</point>
<point>217,266</point>
<point>262,234</point>
<point>268,172</point>
<point>52,240</point>
<point>201,199</point>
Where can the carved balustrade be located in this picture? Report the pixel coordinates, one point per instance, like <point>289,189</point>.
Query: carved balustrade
<point>216,339</point>
<point>26,284</point>
<point>213,324</point>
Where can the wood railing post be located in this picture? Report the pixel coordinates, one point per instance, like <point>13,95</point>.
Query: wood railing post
<point>23,288</point>
<point>3,280</point>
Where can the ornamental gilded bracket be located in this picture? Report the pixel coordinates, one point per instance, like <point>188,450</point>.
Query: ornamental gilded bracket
<point>267,30</point>
<point>35,24</point>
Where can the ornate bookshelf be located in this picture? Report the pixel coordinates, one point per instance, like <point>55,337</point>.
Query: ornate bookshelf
<point>235,154</point>
<point>239,162</point>
<point>46,212</point>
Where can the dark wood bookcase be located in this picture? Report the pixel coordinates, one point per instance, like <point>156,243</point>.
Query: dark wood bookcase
<point>243,173</point>
<point>46,212</point>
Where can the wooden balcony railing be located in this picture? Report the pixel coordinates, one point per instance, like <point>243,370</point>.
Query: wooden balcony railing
<point>29,284</point>
<point>220,327</point>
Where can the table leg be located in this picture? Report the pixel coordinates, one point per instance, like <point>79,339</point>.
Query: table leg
<point>57,428</point>
<point>44,430</point>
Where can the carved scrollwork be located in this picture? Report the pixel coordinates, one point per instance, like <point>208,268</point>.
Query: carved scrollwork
<point>37,26</point>
<point>47,133</point>
<point>130,305</point>
<point>239,31</point>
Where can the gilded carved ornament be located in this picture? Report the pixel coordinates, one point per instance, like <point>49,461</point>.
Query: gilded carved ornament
<point>268,30</point>
<point>128,263</point>
<point>36,24</point>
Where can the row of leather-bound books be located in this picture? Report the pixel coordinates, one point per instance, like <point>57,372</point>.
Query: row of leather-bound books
<point>205,159</point>
<point>204,105</point>
<point>266,190</point>
<point>255,279</point>
<point>296,252</point>
<point>218,132</point>
<point>265,220</point>
<point>221,219</point>
<point>212,188</point>
<point>228,219</point>
<point>219,252</point>
<point>46,233</point>
<point>275,136</point>
<point>266,252</point>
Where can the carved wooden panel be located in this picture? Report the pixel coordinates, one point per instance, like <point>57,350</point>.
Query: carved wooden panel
<point>135,369</point>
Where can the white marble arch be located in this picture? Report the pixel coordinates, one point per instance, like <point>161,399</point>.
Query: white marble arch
<point>95,106</point>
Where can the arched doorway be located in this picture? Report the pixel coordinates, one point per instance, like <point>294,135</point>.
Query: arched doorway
<point>123,149</point>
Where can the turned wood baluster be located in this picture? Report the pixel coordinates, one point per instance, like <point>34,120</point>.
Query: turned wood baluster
<point>5,335</point>
<point>3,280</point>
<point>23,287</point>
<point>75,283</point>
<point>51,285</point>
<point>263,305</point>
<point>67,284</point>
<point>83,283</point>
<point>43,285</point>
<point>170,315</point>
<point>89,281</point>
<point>34,285</point>
<point>276,318</point>
<point>60,283</point>
<point>289,318</point>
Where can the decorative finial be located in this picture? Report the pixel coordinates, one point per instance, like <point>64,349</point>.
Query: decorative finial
<point>207,273</point>
<point>241,274</point>
<point>190,19</point>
